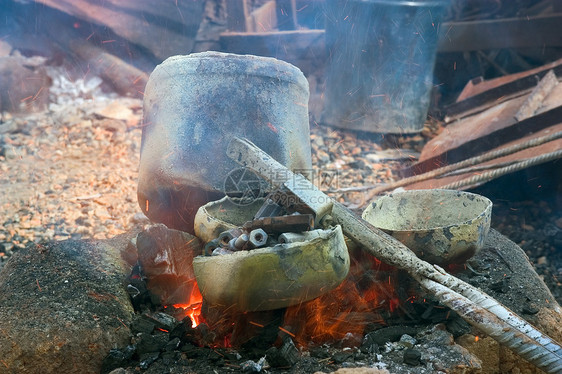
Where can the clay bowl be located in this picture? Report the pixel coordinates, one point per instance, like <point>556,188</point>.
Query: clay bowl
<point>271,277</point>
<point>440,226</point>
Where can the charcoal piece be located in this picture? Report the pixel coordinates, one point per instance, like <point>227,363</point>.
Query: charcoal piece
<point>148,359</point>
<point>435,314</point>
<point>359,356</point>
<point>252,366</point>
<point>529,309</point>
<point>170,357</point>
<point>387,334</point>
<point>189,349</point>
<point>142,325</point>
<point>185,332</point>
<point>257,339</point>
<point>162,320</point>
<point>172,345</point>
<point>141,298</point>
<point>285,356</point>
<point>231,355</point>
<point>412,357</point>
<point>319,352</point>
<point>343,356</point>
<point>407,341</point>
<point>115,359</point>
<point>457,326</point>
<point>501,286</point>
<point>151,343</point>
<point>215,357</point>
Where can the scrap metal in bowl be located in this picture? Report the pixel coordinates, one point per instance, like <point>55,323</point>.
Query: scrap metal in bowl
<point>293,268</point>
<point>440,226</point>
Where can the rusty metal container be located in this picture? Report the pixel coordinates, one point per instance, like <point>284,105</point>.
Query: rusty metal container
<point>380,70</point>
<point>193,106</point>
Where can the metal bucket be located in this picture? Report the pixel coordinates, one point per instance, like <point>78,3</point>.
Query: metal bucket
<point>380,71</point>
<point>193,106</point>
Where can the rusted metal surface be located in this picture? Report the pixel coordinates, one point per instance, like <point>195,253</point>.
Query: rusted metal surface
<point>281,224</point>
<point>515,157</point>
<point>498,93</point>
<point>488,130</point>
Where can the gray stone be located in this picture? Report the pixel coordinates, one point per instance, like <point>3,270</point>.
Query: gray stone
<point>407,341</point>
<point>63,306</point>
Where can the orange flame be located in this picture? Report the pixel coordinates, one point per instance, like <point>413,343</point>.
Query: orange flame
<point>193,307</point>
<point>346,312</point>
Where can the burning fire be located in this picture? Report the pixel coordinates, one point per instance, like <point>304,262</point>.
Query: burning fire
<point>360,303</point>
<point>192,308</point>
<point>346,312</point>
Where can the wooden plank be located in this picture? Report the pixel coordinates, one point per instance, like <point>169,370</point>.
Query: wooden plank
<point>479,85</point>
<point>507,130</point>
<point>535,99</point>
<point>164,28</point>
<point>552,146</point>
<point>528,32</point>
<point>489,98</point>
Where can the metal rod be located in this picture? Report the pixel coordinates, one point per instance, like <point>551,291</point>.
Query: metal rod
<point>476,307</point>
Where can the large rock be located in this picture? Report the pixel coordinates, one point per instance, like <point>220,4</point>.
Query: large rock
<point>503,271</point>
<point>63,306</point>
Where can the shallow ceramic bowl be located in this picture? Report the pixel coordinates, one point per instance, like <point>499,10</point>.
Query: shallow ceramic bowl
<point>270,277</point>
<point>440,226</point>
<point>217,216</point>
<point>274,277</point>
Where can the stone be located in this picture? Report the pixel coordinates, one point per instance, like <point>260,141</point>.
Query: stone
<point>407,341</point>
<point>527,291</point>
<point>63,306</point>
<point>166,258</point>
<point>358,371</point>
<point>148,343</point>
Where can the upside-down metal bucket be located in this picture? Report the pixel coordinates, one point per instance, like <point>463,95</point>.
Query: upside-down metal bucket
<point>193,106</point>
<point>380,66</point>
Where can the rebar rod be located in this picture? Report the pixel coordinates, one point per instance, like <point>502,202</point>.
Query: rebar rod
<point>518,335</point>
<point>475,306</point>
<point>466,163</point>
<point>489,175</point>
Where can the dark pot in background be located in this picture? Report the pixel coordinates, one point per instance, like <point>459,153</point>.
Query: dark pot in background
<point>381,59</point>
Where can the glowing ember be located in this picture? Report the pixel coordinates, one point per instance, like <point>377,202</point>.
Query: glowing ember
<point>193,307</point>
<point>346,312</point>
